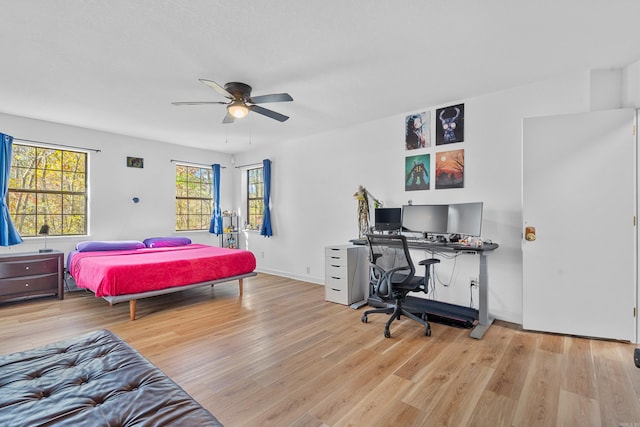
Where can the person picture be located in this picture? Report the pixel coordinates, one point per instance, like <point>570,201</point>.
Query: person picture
<point>417,131</point>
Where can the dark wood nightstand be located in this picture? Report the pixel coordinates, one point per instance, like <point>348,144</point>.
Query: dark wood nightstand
<point>31,274</point>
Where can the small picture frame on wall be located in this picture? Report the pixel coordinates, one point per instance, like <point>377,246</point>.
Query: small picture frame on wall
<point>135,162</point>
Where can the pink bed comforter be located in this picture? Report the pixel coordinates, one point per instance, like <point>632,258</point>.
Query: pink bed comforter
<point>114,273</point>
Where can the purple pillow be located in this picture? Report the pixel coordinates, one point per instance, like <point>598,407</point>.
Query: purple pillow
<point>108,245</point>
<point>163,242</point>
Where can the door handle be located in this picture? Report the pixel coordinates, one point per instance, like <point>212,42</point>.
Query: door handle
<point>530,234</point>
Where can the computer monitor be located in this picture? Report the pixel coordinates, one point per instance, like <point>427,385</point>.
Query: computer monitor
<point>428,219</point>
<point>387,219</point>
<point>465,219</point>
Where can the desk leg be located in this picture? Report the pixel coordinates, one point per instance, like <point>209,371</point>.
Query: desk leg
<point>484,321</point>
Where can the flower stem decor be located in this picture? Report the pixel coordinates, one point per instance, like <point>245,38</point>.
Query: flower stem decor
<point>363,195</point>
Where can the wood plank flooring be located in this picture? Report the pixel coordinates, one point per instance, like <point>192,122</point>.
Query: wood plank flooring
<point>282,356</point>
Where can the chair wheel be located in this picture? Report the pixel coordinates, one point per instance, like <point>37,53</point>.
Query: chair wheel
<point>428,332</point>
<point>387,334</point>
<point>364,318</point>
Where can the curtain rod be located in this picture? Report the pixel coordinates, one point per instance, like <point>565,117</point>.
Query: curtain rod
<point>250,164</point>
<point>194,163</point>
<point>57,145</point>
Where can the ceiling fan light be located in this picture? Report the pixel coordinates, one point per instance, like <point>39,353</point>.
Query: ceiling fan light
<point>238,110</point>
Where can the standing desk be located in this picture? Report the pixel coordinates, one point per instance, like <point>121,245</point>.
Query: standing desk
<point>484,320</point>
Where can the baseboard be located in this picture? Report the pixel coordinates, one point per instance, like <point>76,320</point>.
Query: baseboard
<point>302,278</point>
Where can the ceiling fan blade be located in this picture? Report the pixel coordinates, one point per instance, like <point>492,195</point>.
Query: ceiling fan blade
<point>228,118</point>
<point>215,86</point>
<point>198,102</point>
<point>274,97</point>
<point>269,113</point>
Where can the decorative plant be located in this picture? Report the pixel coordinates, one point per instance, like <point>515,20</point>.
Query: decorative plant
<point>363,195</point>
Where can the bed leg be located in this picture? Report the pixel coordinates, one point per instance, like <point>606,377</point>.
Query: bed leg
<point>240,286</point>
<point>132,309</point>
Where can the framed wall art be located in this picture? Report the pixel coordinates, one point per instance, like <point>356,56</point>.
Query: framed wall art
<point>417,170</point>
<point>450,124</point>
<point>450,169</point>
<point>135,162</point>
<point>417,131</point>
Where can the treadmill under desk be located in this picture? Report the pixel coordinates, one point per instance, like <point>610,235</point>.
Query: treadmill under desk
<point>437,311</point>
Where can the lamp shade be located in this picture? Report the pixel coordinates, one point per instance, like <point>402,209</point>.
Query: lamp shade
<point>44,229</point>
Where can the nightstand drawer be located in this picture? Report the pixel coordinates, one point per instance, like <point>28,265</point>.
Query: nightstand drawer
<point>31,274</point>
<point>44,283</point>
<point>30,267</point>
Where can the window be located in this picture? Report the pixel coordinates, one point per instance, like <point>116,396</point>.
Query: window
<point>194,198</point>
<point>48,186</point>
<point>255,201</point>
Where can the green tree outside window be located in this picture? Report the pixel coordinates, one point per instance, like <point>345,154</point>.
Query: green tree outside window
<point>255,201</point>
<point>48,186</point>
<point>194,198</point>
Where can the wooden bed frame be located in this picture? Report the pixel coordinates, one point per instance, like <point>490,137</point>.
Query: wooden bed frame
<point>132,298</point>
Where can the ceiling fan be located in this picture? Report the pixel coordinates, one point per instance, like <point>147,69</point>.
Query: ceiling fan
<point>241,101</point>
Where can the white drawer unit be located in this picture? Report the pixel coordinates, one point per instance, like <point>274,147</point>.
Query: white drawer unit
<point>346,272</point>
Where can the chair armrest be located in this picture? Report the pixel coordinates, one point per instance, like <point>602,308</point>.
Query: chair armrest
<point>427,262</point>
<point>382,277</point>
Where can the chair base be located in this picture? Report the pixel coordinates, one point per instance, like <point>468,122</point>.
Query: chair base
<point>396,311</point>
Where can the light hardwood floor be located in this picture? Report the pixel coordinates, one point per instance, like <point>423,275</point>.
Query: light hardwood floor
<point>283,356</point>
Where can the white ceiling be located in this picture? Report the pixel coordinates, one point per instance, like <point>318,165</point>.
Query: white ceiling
<point>116,65</point>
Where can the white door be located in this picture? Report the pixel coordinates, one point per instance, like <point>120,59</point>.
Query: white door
<point>579,175</point>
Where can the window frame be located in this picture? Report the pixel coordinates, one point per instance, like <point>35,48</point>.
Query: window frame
<point>205,218</point>
<point>38,194</point>
<point>259,198</point>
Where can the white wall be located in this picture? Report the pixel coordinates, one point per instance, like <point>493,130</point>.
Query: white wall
<point>314,180</point>
<point>631,85</point>
<point>112,185</point>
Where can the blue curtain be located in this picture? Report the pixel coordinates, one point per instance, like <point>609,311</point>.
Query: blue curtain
<point>265,230</point>
<point>8,233</point>
<point>216,218</point>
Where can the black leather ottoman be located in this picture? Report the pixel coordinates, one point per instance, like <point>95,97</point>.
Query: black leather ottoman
<point>93,380</point>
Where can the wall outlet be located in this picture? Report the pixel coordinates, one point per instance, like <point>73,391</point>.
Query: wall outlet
<point>308,270</point>
<point>473,282</point>
<point>262,255</point>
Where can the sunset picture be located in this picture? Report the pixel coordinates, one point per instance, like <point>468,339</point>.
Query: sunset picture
<point>450,169</point>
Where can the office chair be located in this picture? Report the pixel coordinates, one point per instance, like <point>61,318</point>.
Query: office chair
<point>392,277</point>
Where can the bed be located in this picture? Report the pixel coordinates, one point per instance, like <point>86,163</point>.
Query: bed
<point>119,271</point>
<point>95,379</point>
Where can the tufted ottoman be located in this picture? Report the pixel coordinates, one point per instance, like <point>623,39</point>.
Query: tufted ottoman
<point>93,380</point>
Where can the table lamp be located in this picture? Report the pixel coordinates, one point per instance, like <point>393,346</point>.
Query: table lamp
<point>44,231</point>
